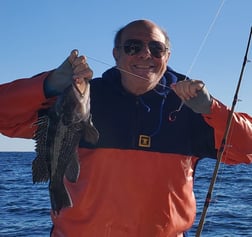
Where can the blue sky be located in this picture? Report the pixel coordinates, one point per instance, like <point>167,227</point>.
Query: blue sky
<point>38,35</point>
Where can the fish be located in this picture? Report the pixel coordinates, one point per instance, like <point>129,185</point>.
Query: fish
<point>57,139</point>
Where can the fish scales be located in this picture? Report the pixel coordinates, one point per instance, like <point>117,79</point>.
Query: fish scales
<point>57,140</point>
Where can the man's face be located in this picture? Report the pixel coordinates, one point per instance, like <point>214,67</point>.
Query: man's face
<point>141,71</point>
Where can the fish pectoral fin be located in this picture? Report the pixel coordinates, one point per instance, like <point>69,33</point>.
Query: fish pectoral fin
<point>91,134</point>
<point>73,169</point>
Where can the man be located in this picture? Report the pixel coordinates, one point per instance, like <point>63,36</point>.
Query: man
<point>138,179</point>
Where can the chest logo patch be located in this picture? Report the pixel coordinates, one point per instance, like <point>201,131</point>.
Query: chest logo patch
<point>144,141</point>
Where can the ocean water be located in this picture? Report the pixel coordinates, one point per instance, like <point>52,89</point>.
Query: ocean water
<point>25,208</point>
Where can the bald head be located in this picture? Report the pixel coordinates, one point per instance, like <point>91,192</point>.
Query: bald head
<point>140,25</point>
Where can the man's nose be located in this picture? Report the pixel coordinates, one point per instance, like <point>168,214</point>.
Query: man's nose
<point>145,52</point>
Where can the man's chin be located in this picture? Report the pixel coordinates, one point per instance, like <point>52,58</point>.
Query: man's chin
<point>148,76</point>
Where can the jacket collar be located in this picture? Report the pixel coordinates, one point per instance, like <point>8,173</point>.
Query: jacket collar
<point>113,77</point>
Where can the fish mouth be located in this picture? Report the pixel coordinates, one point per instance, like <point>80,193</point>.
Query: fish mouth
<point>81,87</point>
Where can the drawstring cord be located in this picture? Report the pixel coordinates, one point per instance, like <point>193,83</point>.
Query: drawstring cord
<point>164,94</point>
<point>160,117</point>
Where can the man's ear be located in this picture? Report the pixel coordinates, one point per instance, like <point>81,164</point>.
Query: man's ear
<point>116,54</point>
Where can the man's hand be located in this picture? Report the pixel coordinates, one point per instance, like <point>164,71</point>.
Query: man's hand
<point>80,67</point>
<point>194,94</point>
<point>187,89</point>
<point>81,71</point>
<point>73,68</point>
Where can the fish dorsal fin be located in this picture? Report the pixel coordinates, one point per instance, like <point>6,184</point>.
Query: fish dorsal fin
<point>40,169</point>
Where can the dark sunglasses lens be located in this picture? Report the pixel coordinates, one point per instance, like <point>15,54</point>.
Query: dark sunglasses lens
<point>132,47</point>
<point>157,49</point>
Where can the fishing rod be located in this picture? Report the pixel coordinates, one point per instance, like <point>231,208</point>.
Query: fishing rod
<point>223,144</point>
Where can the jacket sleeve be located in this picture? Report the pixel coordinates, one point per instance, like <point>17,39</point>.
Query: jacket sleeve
<point>20,102</point>
<point>238,148</point>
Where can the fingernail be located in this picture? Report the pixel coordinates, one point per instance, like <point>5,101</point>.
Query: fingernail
<point>75,51</point>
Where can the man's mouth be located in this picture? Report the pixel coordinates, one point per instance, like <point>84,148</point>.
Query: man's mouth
<point>143,67</point>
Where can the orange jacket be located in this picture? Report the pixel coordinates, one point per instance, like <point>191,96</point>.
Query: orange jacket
<point>125,190</point>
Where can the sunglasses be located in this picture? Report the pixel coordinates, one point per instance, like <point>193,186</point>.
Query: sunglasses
<point>134,46</point>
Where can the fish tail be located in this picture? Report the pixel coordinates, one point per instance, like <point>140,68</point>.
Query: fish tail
<point>60,198</point>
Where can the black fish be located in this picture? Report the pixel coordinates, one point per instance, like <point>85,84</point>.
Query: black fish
<point>57,139</point>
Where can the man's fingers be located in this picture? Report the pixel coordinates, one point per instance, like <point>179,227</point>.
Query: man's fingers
<point>81,70</point>
<point>79,61</point>
<point>85,74</point>
<point>187,89</point>
<point>73,55</point>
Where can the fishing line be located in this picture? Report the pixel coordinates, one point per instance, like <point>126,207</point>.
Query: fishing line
<point>192,64</point>
<point>205,38</point>
<point>123,70</point>
<point>172,116</point>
